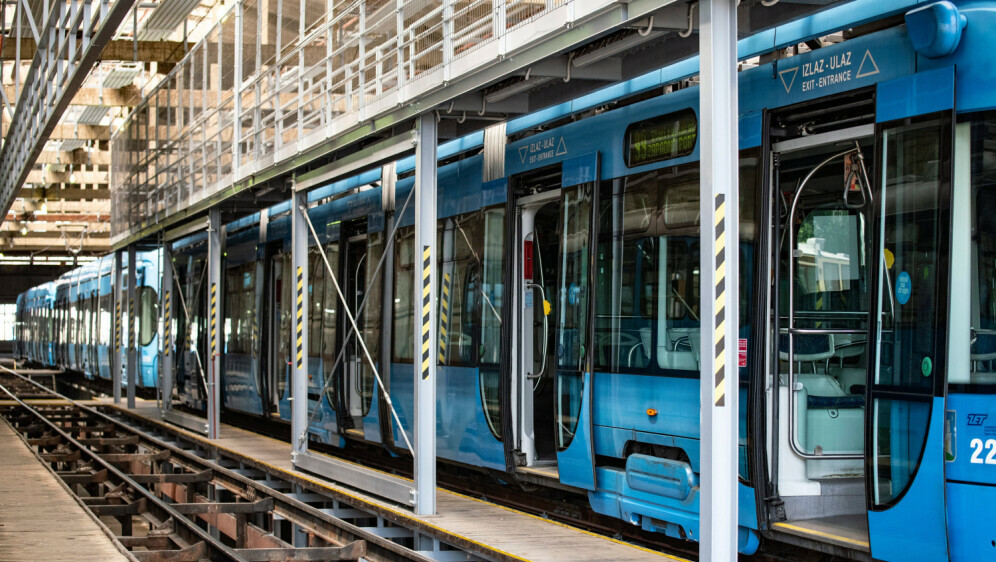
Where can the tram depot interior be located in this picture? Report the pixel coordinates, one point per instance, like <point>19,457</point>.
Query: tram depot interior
<point>250,231</point>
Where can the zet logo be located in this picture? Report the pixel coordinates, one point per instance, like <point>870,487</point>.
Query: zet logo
<point>977,419</point>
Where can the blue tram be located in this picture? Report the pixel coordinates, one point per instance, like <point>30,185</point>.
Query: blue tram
<point>69,322</point>
<point>569,293</point>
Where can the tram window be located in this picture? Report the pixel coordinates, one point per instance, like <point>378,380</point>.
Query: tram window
<point>371,317</point>
<point>492,291</point>
<point>627,275</point>
<point>830,263</point>
<point>492,285</point>
<point>240,308</point>
<point>648,282</point>
<point>983,306</point>
<point>148,314</point>
<point>316,298</point>
<point>913,331</point>
<point>284,288</point>
<point>572,344</point>
<point>459,267</point>
<point>105,319</point>
<point>404,292</point>
<point>329,307</point>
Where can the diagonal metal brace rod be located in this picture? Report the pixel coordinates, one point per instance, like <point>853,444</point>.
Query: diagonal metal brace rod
<point>352,321</point>
<point>359,310</point>
<point>186,316</point>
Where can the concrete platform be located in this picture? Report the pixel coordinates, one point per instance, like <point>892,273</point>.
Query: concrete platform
<point>39,518</point>
<point>509,533</point>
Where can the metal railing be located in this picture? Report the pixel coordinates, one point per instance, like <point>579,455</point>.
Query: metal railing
<point>262,88</point>
<point>69,42</point>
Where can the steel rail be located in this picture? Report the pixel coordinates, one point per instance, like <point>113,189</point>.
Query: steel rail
<point>309,518</point>
<point>218,549</point>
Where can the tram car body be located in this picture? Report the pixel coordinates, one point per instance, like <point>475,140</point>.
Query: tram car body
<point>569,286</point>
<point>69,323</point>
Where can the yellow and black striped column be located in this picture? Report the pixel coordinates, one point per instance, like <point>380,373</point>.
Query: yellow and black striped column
<point>444,317</point>
<point>166,323</point>
<point>117,325</point>
<point>719,145</point>
<point>719,286</point>
<point>215,341</point>
<point>299,315</point>
<point>213,329</point>
<point>424,419</point>
<point>426,310</point>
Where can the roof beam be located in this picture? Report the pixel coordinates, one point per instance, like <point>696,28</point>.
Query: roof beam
<point>81,132</point>
<point>69,194</point>
<point>111,97</point>
<point>77,157</point>
<point>79,177</point>
<point>169,52</point>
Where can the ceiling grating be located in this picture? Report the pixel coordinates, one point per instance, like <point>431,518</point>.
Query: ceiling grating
<point>93,115</point>
<point>122,75</point>
<point>165,18</point>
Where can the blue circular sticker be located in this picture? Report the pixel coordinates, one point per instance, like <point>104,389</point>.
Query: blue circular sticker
<point>904,287</point>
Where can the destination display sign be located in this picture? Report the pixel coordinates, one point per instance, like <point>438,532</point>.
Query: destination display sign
<point>661,138</point>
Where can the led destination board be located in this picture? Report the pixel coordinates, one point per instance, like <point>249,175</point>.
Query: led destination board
<point>661,138</point>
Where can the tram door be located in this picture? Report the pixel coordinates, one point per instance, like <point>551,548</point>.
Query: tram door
<point>822,231</point>
<point>357,381</point>
<point>540,264</point>
<point>552,375</point>
<point>278,328</point>
<point>908,374</point>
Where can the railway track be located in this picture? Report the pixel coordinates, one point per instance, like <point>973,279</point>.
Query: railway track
<point>556,505</point>
<point>167,499</point>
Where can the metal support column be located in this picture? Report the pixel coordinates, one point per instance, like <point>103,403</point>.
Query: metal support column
<point>116,355</point>
<point>719,209</point>
<point>166,313</point>
<point>132,336</point>
<point>299,372</point>
<point>425,323</point>
<point>215,331</point>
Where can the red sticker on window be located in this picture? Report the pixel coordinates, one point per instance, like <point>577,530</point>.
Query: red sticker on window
<point>742,352</point>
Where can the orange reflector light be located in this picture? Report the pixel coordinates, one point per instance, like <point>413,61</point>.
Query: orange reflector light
<point>651,412</point>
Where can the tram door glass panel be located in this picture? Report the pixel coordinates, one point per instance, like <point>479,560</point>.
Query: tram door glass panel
<point>983,308</point>
<point>459,271</point>
<point>572,304</point>
<point>364,255</point>
<point>910,362</point>
<point>329,350</point>
<point>282,268</point>
<point>404,291</point>
<point>492,293</point>
<point>240,308</point>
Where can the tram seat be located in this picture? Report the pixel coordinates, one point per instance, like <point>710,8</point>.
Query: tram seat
<point>847,346</point>
<point>983,378</point>
<point>678,348</point>
<point>829,420</point>
<point>809,348</point>
<point>983,354</point>
<point>850,377</point>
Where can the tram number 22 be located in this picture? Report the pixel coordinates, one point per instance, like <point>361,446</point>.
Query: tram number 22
<point>977,448</point>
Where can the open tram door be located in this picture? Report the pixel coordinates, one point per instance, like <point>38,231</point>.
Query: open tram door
<point>551,343</point>
<point>859,327</point>
<point>821,216</point>
<point>907,377</point>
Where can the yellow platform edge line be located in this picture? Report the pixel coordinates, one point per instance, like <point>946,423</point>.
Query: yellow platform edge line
<point>821,534</point>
